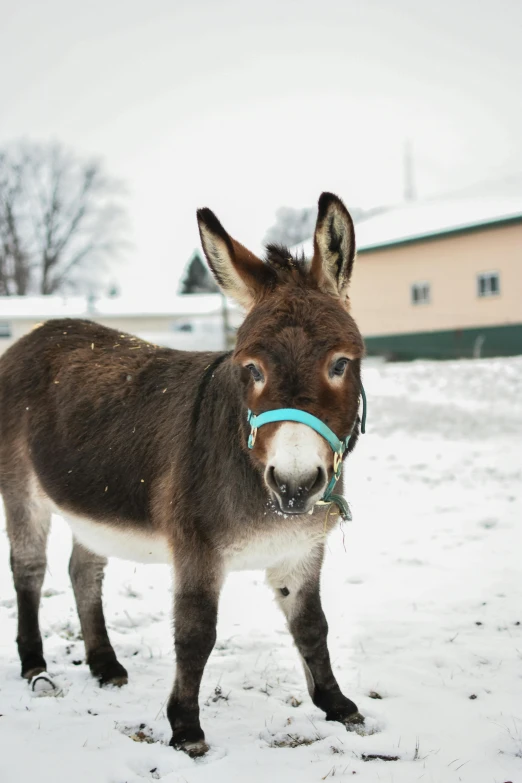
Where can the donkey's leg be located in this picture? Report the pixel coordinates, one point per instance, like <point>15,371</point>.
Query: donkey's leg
<point>297,593</point>
<point>27,528</point>
<point>86,571</point>
<point>198,581</point>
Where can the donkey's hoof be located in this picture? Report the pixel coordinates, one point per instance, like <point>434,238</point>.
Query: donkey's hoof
<point>118,682</point>
<point>30,674</point>
<point>112,674</point>
<point>191,741</point>
<point>195,749</point>
<point>347,713</point>
<point>358,724</point>
<point>353,721</point>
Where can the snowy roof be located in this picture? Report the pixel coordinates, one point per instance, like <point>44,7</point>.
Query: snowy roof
<point>42,307</point>
<point>427,219</point>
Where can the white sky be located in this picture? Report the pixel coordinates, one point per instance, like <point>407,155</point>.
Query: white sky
<point>245,107</point>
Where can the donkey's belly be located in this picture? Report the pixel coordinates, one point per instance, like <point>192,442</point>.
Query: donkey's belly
<point>111,541</point>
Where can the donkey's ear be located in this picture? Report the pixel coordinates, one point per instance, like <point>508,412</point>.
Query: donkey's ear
<point>334,246</point>
<point>238,272</point>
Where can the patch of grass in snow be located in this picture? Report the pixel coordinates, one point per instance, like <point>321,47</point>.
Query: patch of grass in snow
<point>127,591</point>
<point>335,770</point>
<point>379,757</point>
<point>293,740</point>
<point>514,732</point>
<point>140,736</point>
<point>217,696</point>
<point>141,733</point>
<point>68,631</point>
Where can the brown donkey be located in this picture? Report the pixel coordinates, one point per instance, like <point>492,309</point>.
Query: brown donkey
<point>145,452</point>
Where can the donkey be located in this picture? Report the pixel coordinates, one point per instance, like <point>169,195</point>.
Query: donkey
<point>160,455</point>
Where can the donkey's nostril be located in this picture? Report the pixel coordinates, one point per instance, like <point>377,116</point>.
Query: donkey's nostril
<point>276,482</point>
<point>319,482</point>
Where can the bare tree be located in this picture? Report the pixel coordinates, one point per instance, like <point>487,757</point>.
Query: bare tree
<point>296,224</point>
<point>292,225</point>
<point>60,218</point>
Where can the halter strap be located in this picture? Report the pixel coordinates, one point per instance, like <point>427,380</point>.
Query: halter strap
<point>302,417</point>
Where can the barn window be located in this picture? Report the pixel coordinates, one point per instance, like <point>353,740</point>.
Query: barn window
<point>5,329</point>
<point>420,293</point>
<point>488,284</point>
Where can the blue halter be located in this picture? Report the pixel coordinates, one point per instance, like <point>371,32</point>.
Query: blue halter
<point>338,446</point>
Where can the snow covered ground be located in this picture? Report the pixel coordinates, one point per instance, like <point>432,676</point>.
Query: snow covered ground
<point>423,592</point>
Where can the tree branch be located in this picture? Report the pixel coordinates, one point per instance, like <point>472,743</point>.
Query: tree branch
<point>57,213</point>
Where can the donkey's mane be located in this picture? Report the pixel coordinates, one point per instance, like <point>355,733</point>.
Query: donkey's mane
<point>286,265</point>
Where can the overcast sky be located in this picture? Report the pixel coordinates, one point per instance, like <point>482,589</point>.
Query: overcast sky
<point>245,106</point>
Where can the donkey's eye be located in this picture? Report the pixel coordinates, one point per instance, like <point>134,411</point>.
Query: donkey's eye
<point>339,367</point>
<point>255,372</point>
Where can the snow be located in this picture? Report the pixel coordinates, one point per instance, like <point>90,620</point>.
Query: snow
<point>203,330</point>
<point>13,307</point>
<point>42,306</point>
<point>420,219</point>
<point>423,597</point>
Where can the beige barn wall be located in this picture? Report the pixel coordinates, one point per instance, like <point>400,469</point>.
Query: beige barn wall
<point>380,291</point>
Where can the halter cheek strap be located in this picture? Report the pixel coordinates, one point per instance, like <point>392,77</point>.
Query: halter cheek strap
<point>338,446</point>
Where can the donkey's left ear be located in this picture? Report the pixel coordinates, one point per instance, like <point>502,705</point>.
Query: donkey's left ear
<point>334,246</point>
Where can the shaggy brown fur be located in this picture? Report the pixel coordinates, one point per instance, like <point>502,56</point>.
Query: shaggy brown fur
<point>124,437</point>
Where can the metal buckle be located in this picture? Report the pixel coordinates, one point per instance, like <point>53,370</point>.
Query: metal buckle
<point>252,438</point>
<point>337,463</point>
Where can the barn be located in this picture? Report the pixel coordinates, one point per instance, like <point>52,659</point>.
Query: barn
<point>440,278</point>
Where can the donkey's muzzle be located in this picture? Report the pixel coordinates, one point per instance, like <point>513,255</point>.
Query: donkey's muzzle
<point>296,494</point>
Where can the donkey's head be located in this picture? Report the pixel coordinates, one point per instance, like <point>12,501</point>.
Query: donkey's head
<point>298,348</point>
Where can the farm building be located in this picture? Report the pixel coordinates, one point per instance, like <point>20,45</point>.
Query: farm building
<point>440,279</point>
<point>192,322</point>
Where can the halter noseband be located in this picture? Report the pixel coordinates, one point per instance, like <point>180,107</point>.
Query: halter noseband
<point>338,446</point>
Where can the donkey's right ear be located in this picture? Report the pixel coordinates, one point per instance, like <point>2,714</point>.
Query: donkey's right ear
<point>238,272</point>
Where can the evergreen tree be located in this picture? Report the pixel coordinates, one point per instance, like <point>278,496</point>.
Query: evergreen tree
<point>197,278</point>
